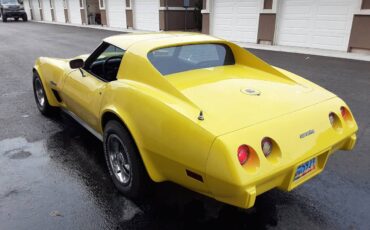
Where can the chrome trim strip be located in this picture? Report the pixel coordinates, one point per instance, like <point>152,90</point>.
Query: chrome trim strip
<point>83,124</point>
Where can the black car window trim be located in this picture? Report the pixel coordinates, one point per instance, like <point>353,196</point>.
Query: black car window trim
<point>97,52</point>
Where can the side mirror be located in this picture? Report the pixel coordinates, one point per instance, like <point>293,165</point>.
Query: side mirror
<point>76,63</point>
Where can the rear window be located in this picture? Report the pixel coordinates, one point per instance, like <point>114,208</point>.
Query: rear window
<point>189,57</point>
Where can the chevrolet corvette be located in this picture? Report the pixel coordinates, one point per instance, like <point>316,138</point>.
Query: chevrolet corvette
<point>199,111</point>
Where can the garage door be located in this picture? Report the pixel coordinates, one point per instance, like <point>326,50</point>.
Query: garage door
<point>236,20</point>
<point>146,15</point>
<point>323,24</point>
<point>117,13</point>
<point>74,11</point>
<point>26,5</point>
<point>59,11</point>
<point>46,10</point>
<point>36,10</point>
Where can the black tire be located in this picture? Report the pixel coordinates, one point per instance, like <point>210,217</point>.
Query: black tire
<point>24,18</point>
<point>5,19</point>
<point>43,105</point>
<point>138,184</point>
<point>16,19</point>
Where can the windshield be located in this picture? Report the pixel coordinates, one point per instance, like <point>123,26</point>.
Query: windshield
<point>13,2</point>
<point>189,57</point>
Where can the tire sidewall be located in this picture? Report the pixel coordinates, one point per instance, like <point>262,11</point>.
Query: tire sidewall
<point>131,188</point>
<point>47,109</point>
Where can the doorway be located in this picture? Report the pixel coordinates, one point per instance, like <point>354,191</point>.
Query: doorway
<point>93,13</point>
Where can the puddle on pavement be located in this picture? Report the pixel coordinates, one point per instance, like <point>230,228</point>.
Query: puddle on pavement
<point>16,155</point>
<point>20,148</point>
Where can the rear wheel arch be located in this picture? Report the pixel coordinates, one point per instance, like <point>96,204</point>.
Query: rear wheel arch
<point>149,166</point>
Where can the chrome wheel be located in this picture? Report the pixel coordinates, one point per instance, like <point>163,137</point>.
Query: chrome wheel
<point>40,95</point>
<point>118,159</point>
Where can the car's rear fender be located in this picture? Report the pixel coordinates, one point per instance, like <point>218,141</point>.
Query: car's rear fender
<point>169,139</point>
<point>297,137</point>
<point>127,122</point>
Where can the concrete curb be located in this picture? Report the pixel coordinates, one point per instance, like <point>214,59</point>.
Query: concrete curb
<point>288,49</point>
<point>308,51</point>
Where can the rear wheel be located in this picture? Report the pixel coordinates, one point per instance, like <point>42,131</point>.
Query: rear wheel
<point>4,19</point>
<point>24,18</point>
<point>40,96</point>
<point>124,162</point>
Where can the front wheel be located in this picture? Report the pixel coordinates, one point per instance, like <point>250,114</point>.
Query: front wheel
<point>4,19</point>
<point>24,18</point>
<point>124,162</point>
<point>40,96</point>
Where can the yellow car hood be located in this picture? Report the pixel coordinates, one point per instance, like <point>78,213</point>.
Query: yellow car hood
<point>234,97</point>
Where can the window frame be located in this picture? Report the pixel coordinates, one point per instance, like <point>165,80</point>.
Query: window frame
<point>95,54</point>
<point>82,4</point>
<point>102,4</point>
<point>65,4</point>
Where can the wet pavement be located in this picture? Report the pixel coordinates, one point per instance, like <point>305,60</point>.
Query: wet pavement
<point>53,174</point>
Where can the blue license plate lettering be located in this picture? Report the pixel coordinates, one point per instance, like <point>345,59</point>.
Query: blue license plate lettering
<point>305,168</point>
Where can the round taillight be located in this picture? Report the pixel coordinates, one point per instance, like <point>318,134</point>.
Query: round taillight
<point>243,154</point>
<point>266,146</point>
<point>343,111</point>
<point>332,118</point>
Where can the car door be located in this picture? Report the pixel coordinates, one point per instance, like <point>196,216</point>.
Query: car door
<point>84,88</point>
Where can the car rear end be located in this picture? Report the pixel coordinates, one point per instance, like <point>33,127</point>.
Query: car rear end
<point>283,152</point>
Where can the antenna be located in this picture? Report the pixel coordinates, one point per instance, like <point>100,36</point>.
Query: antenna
<point>201,117</point>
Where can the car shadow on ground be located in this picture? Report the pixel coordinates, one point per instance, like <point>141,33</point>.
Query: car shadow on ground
<point>168,207</point>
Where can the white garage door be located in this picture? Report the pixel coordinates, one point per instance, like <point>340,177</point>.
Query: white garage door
<point>235,20</point>
<point>36,10</point>
<point>46,10</point>
<point>117,13</point>
<point>59,11</point>
<point>74,11</point>
<point>26,5</point>
<point>146,15</point>
<point>324,24</point>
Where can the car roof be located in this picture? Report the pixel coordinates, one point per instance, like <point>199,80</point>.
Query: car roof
<point>155,40</point>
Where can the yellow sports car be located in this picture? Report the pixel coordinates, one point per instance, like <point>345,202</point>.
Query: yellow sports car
<point>198,111</point>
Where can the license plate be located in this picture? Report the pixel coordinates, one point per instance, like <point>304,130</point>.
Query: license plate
<point>305,168</point>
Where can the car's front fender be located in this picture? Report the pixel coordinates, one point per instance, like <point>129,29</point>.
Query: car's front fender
<point>40,69</point>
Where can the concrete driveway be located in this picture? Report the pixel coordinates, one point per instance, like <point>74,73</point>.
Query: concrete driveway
<point>53,174</point>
